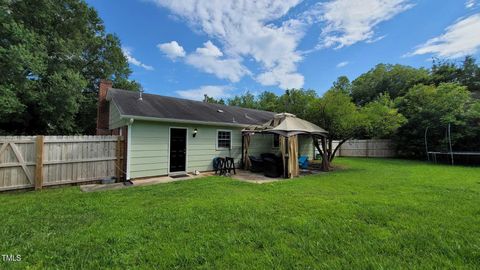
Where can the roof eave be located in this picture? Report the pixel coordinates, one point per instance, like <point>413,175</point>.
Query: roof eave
<point>185,121</point>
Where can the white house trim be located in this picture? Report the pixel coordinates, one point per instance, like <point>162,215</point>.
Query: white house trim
<point>216,140</point>
<point>129,150</point>
<point>182,121</point>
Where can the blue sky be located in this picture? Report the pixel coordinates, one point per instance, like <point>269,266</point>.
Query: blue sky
<point>222,48</point>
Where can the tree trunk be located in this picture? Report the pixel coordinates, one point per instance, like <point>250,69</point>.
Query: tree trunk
<point>336,149</point>
<point>324,153</point>
<point>325,158</point>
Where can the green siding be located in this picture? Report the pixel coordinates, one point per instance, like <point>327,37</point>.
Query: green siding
<point>115,121</point>
<point>150,141</point>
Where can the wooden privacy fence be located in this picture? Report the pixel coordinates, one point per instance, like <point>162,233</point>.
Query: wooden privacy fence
<point>38,161</point>
<point>366,148</point>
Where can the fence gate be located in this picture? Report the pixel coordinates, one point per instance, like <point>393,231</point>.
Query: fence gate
<point>38,161</point>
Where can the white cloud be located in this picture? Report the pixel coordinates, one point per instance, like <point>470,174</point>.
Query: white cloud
<point>351,21</point>
<point>283,76</point>
<point>268,32</point>
<point>470,3</point>
<point>208,59</point>
<point>171,49</point>
<point>215,91</point>
<point>209,50</point>
<point>132,60</point>
<point>342,64</point>
<point>245,29</point>
<point>459,39</point>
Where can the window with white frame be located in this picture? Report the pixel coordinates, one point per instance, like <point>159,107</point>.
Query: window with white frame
<point>276,140</point>
<point>224,139</point>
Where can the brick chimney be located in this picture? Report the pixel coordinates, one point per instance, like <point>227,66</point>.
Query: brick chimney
<point>103,109</point>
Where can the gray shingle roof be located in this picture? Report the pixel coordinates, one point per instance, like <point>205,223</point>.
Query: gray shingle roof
<point>164,107</point>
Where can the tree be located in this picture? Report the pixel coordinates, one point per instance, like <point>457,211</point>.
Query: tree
<point>52,54</point>
<point>343,84</point>
<point>268,101</point>
<point>247,100</point>
<point>343,120</point>
<point>392,79</point>
<point>469,75</point>
<point>297,101</point>
<point>213,100</point>
<point>381,118</point>
<point>466,74</point>
<point>471,132</point>
<point>435,107</point>
<point>443,71</point>
<point>336,113</point>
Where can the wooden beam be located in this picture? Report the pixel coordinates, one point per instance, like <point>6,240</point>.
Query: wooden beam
<point>15,187</point>
<point>52,162</point>
<point>39,162</point>
<point>80,140</point>
<point>4,146</point>
<point>21,161</point>
<point>9,165</point>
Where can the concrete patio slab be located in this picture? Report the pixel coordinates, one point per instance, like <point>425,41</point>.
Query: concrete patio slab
<point>242,175</point>
<point>141,182</point>
<point>259,178</point>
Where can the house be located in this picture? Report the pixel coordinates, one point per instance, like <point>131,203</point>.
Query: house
<point>167,135</point>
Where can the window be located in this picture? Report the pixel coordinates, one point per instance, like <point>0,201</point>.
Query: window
<point>276,140</point>
<point>224,139</point>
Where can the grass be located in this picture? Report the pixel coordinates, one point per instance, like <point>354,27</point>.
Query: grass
<point>375,214</point>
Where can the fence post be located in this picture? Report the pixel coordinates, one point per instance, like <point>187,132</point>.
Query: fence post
<point>39,142</point>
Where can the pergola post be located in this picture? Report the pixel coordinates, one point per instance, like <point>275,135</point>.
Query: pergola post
<point>287,155</point>
<point>245,145</point>
<point>283,149</point>
<point>243,156</point>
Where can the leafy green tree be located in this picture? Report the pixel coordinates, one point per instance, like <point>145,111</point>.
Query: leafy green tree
<point>343,84</point>
<point>381,118</point>
<point>392,79</point>
<point>52,54</point>
<point>471,131</point>
<point>247,100</point>
<point>213,100</point>
<point>469,75</point>
<point>297,101</point>
<point>336,113</point>
<point>268,101</point>
<point>466,74</point>
<point>435,107</point>
<point>443,71</point>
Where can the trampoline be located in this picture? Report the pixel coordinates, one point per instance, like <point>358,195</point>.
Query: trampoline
<point>463,158</point>
<point>450,156</point>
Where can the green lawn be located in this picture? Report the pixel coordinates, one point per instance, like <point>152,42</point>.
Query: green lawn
<point>374,214</point>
